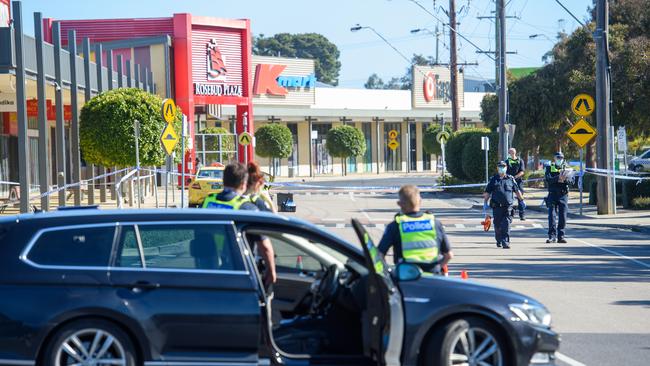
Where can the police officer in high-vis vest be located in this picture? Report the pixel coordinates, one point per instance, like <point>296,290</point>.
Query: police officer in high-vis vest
<point>235,181</point>
<point>500,192</point>
<point>416,236</point>
<point>516,169</point>
<point>557,200</point>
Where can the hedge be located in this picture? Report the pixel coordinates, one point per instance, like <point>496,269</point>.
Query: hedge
<point>345,141</point>
<point>474,157</point>
<point>429,142</point>
<point>455,157</point>
<point>106,128</point>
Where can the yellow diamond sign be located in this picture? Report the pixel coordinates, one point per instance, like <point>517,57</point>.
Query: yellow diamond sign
<point>393,144</point>
<point>581,133</point>
<point>169,139</point>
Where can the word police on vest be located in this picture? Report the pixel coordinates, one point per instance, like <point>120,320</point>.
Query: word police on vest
<point>415,226</point>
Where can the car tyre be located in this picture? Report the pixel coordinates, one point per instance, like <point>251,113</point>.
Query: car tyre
<point>86,340</point>
<point>470,340</point>
<point>638,168</point>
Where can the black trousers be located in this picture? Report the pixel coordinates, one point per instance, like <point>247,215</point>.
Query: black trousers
<point>502,220</point>
<point>558,206</point>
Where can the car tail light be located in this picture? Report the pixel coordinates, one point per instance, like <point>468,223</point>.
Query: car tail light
<point>196,186</point>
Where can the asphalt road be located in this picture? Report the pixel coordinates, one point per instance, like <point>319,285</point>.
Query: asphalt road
<point>597,286</point>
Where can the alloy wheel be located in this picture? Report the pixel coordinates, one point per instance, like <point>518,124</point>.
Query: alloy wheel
<point>90,347</point>
<point>475,347</point>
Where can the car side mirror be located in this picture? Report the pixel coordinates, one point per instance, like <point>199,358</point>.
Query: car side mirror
<point>408,272</point>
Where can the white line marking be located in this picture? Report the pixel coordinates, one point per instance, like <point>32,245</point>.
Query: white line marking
<point>307,193</point>
<point>332,219</point>
<point>340,226</point>
<point>538,226</point>
<point>366,215</point>
<point>352,197</point>
<point>519,227</point>
<point>568,360</point>
<point>614,252</point>
<point>380,226</point>
<point>460,226</point>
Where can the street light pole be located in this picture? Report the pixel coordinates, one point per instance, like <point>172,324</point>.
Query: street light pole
<point>503,87</point>
<point>453,67</point>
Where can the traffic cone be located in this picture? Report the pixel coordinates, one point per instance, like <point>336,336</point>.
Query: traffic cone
<point>299,263</point>
<point>445,271</point>
<point>464,275</point>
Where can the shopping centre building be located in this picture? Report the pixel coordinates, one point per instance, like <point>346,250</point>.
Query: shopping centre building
<point>206,65</point>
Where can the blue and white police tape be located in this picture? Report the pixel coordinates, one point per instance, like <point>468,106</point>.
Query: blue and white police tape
<point>384,188</point>
<point>611,173</point>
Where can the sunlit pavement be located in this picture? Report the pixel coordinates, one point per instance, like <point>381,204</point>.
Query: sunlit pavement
<point>597,285</point>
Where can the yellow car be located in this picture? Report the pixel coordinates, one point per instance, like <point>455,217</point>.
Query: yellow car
<point>209,179</point>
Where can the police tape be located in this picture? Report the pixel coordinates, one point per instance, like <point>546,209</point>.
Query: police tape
<point>606,171</point>
<point>618,176</point>
<point>386,188</point>
<point>9,183</point>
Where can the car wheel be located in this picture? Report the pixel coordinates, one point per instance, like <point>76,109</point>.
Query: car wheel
<point>470,341</point>
<point>638,168</point>
<point>90,342</point>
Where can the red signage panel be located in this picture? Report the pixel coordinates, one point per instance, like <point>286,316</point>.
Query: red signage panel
<point>217,61</point>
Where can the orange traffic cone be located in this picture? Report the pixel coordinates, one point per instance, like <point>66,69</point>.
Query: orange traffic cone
<point>299,263</point>
<point>464,275</point>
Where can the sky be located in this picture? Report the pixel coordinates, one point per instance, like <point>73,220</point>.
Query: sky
<point>362,52</point>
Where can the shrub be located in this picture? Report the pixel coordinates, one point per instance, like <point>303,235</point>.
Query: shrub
<point>451,180</point>
<point>473,158</point>
<point>106,128</point>
<point>641,203</point>
<point>273,140</point>
<point>455,159</point>
<point>454,154</point>
<point>345,141</point>
<point>429,142</point>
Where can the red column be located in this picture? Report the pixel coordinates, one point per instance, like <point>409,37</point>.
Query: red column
<point>247,51</point>
<point>184,93</point>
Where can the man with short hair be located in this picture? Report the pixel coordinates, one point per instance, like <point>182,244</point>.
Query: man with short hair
<point>235,180</point>
<point>516,169</point>
<point>416,236</point>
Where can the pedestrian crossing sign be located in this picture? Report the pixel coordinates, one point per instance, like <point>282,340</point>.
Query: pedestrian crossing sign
<point>245,138</point>
<point>581,133</point>
<point>169,139</point>
<point>583,105</point>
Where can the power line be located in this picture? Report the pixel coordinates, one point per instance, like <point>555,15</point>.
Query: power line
<point>451,28</point>
<point>570,13</point>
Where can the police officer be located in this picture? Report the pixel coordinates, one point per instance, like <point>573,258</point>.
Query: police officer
<point>416,236</point>
<point>516,169</point>
<point>235,180</point>
<point>500,192</point>
<point>557,200</point>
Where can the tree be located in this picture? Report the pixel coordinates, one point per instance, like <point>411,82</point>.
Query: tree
<point>273,141</point>
<point>374,82</point>
<point>490,111</point>
<point>345,141</point>
<point>305,45</point>
<point>226,142</point>
<point>107,130</point>
<point>429,142</point>
<point>404,82</point>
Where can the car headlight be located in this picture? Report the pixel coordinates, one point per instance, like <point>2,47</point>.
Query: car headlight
<point>533,314</point>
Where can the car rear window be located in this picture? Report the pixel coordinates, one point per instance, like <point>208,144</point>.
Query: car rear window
<point>180,246</point>
<point>211,173</point>
<point>75,247</point>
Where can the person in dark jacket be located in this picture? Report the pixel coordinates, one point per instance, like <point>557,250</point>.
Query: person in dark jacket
<point>557,200</point>
<point>500,192</point>
<point>516,169</point>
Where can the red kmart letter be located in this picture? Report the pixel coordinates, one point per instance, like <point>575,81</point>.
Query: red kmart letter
<point>266,79</point>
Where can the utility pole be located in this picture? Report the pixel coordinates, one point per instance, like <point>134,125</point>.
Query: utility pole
<point>453,66</point>
<point>437,44</point>
<point>503,87</point>
<point>605,187</point>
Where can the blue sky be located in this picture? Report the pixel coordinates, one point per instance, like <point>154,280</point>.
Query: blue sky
<point>362,53</point>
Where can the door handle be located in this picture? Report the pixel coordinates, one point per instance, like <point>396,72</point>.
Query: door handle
<point>144,285</point>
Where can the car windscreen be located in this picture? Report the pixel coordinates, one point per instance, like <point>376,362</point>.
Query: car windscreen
<point>212,174</point>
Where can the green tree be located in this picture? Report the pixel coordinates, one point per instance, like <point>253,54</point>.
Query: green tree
<point>305,45</point>
<point>490,111</point>
<point>473,157</point>
<point>429,142</point>
<point>225,143</point>
<point>345,141</point>
<point>273,141</point>
<point>107,130</point>
<point>374,82</point>
<point>404,82</point>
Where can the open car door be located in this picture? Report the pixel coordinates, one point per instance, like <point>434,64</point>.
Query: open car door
<point>383,319</point>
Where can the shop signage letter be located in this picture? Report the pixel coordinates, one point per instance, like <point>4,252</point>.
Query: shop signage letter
<point>266,80</point>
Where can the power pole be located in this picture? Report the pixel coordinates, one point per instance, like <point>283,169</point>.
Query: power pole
<point>605,187</point>
<point>503,87</point>
<point>453,66</point>
<point>437,44</point>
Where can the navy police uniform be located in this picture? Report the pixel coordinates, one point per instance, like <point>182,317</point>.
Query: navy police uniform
<point>557,202</point>
<point>502,190</point>
<point>516,166</point>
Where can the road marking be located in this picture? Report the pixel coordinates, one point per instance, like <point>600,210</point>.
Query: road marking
<point>332,219</point>
<point>568,360</point>
<point>352,197</point>
<point>537,226</point>
<point>460,226</point>
<point>340,226</point>
<point>614,252</point>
